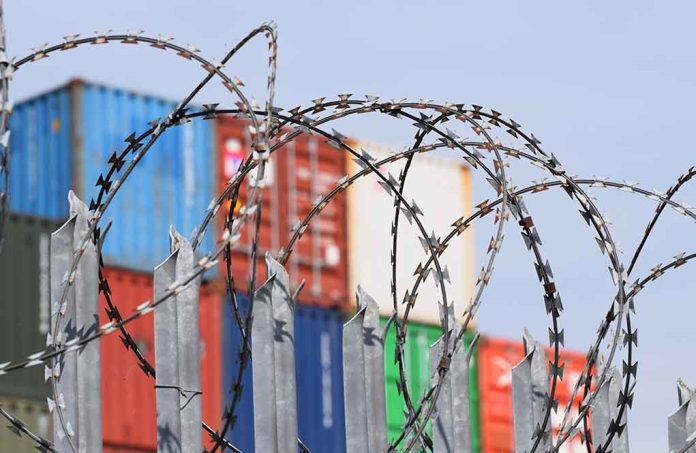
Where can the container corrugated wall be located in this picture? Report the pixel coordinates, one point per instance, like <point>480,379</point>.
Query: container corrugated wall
<point>419,338</point>
<point>298,173</point>
<point>128,396</point>
<point>496,358</point>
<point>63,140</point>
<point>32,412</point>
<point>319,373</point>
<point>41,157</point>
<point>441,188</point>
<point>24,299</point>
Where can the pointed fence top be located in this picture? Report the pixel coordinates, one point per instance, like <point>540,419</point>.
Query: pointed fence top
<point>77,207</point>
<point>364,300</point>
<point>684,392</point>
<point>275,270</point>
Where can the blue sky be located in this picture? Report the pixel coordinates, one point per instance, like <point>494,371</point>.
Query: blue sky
<point>607,87</point>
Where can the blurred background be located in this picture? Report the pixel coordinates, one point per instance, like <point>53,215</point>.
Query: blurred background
<point>606,88</point>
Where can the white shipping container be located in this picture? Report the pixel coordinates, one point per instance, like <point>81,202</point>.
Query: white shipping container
<point>441,188</point>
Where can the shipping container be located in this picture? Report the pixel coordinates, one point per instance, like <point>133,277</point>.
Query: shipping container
<point>496,357</point>
<point>319,374</point>
<point>64,139</point>
<point>34,413</point>
<point>114,448</point>
<point>128,395</point>
<point>24,321</point>
<point>296,174</point>
<point>441,188</point>
<point>419,338</point>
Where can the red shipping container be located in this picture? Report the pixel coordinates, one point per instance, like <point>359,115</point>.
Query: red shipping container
<point>128,395</point>
<point>296,174</point>
<point>108,448</point>
<point>496,358</point>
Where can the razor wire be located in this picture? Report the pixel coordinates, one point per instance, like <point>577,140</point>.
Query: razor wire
<point>416,419</point>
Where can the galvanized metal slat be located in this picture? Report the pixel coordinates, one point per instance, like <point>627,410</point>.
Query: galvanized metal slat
<point>66,384</point>
<point>459,378</point>
<point>263,371</point>
<point>283,318</point>
<point>452,420</point>
<point>177,355</point>
<point>354,385</point>
<point>167,361</point>
<point>529,396</point>
<point>273,364</point>
<point>687,393</point>
<point>443,429</point>
<point>190,402</point>
<point>682,423</point>
<point>79,384</point>
<point>375,396</point>
<point>604,410</point>
<point>87,321</point>
<point>363,377</point>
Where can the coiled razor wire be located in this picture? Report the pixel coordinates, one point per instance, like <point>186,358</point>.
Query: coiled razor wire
<point>272,135</point>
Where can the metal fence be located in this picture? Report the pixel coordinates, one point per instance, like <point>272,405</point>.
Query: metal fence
<point>71,358</point>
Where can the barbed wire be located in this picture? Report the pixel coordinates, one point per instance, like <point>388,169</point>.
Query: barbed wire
<point>278,130</point>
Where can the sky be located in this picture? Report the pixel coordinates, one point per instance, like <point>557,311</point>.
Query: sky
<point>608,87</point>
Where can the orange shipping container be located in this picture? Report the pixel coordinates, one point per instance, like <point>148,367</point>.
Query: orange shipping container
<point>496,358</point>
<point>128,395</point>
<point>296,174</point>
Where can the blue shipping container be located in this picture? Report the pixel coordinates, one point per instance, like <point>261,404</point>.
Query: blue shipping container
<point>63,140</point>
<point>319,374</point>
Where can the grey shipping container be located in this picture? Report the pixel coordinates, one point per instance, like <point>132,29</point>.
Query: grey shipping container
<point>24,302</point>
<point>64,140</point>
<point>35,416</point>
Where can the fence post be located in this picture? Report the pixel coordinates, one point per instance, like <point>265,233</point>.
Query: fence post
<point>78,375</point>
<point>363,377</point>
<point>452,422</point>
<point>682,423</point>
<point>529,398</point>
<point>177,354</point>
<point>273,363</point>
<point>604,412</point>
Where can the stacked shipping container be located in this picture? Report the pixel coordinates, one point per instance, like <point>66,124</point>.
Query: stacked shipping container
<point>319,374</point>
<point>64,139</point>
<point>128,394</point>
<point>25,301</point>
<point>496,357</point>
<point>370,211</point>
<point>308,167</point>
<point>419,338</point>
<point>24,324</point>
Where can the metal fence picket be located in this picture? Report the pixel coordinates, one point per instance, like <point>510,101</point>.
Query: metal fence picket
<point>452,421</point>
<point>604,414</point>
<point>177,354</point>
<point>363,377</point>
<point>529,398</point>
<point>682,423</point>
<point>273,364</point>
<point>78,376</point>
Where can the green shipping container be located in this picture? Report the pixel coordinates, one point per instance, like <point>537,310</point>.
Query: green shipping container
<point>34,414</point>
<point>419,338</point>
<point>24,305</point>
